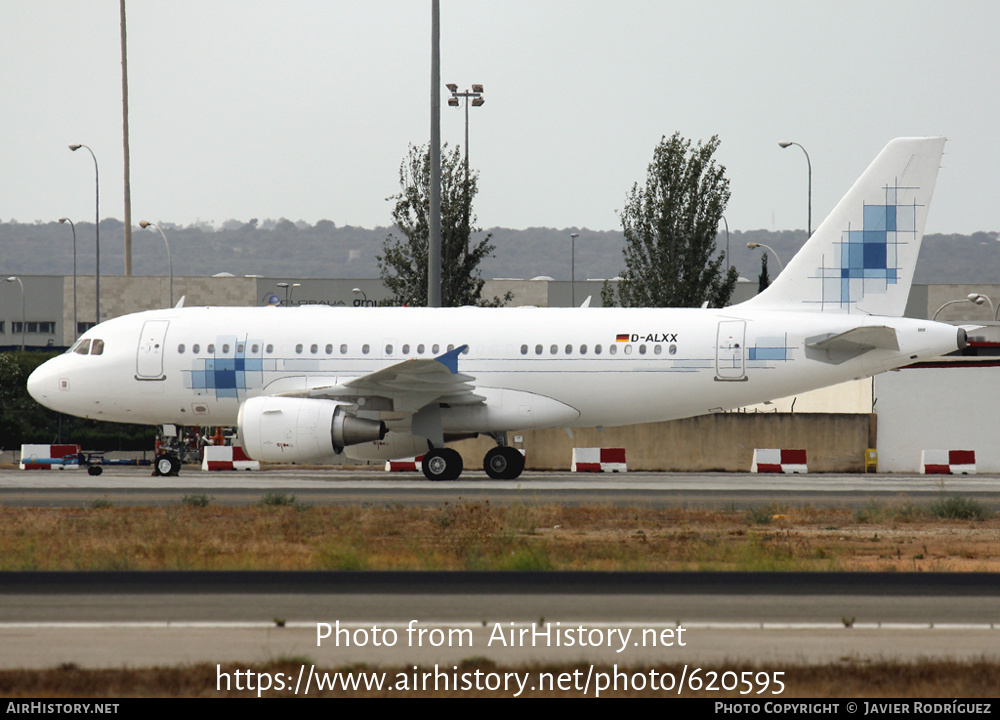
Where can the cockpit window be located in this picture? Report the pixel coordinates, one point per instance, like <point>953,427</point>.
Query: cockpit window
<point>97,347</point>
<point>82,347</point>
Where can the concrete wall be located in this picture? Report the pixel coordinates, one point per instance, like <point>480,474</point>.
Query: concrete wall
<point>834,442</point>
<point>938,408</point>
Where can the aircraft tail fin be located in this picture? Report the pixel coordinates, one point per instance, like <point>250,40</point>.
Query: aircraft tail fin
<point>862,257</point>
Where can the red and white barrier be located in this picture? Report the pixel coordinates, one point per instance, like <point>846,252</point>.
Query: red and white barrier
<point>598,460</point>
<point>413,464</point>
<point>52,455</point>
<point>227,457</point>
<point>948,462</point>
<point>768,460</point>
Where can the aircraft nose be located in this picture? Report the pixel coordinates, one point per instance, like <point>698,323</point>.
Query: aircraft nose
<point>42,384</point>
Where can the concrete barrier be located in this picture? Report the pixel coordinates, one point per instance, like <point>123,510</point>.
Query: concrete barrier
<point>598,460</point>
<point>948,462</point>
<point>768,460</point>
<point>226,457</point>
<point>49,457</point>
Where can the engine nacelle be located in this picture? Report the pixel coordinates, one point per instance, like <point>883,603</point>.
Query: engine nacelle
<point>286,429</point>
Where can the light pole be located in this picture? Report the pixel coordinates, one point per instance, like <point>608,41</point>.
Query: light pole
<point>97,229</point>
<point>572,268</point>
<point>146,224</point>
<point>364,296</point>
<point>974,298</point>
<point>809,164</point>
<point>476,95</point>
<point>76,327</point>
<point>13,278</point>
<point>754,246</point>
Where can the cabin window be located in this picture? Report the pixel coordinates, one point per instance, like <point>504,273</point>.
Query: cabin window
<point>196,348</point>
<point>597,349</point>
<point>211,349</point>
<point>239,349</point>
<point>435,348</point>
<point>450,347</point>
<point>314,348</point>
<point>658,350</point>
<point>553,350</point>
<point>642,349</point>
<point>538,349</point>
<point>180,349</point>
<point>613,349</point>
<point>225,349</point>
<point>673,349</point>
<point>298,349</point>
<point>329,349</point>
<point>420,349</point>
<point>406,349</point>
<point>97,347</point>
<point>628,349</point>
<point>583,349</point>
<point>388,349</point>
<point>254,348</point>
<point>465,350</point>
<point>343,349</point>
<point>269,349</point>
<point>365,349</point>
<point>524,349</point>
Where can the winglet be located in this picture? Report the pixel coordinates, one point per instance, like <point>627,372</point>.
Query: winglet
<point>450,358</point>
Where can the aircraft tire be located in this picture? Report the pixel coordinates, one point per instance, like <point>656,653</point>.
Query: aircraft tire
<point>95,470</point>
<point>165,465</point>
<point>503,463</point>
<point>442,464</point>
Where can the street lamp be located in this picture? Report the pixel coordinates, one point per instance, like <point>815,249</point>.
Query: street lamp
<point>97,227</point>
<point>75,325</point>
<point>809,163</point>
<point>476,95</point>
<point>289,289</point>
<point>754,246</point>
<point>13,278</point>
<point>572,268</point>
<point>364,296</point>
<point>146,224</point>
<point>975,299</point>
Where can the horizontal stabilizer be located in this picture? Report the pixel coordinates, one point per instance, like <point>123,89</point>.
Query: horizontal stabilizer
<point>840,347</point>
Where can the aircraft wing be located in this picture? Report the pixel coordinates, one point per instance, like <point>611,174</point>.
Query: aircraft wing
<point>839,347</point>
<point>404,387</point>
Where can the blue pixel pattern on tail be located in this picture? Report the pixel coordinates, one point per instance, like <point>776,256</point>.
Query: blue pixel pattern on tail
<point>866,258</point>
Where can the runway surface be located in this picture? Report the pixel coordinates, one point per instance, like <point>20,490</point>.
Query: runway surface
<point>139,619</point>
<point>135,486</point>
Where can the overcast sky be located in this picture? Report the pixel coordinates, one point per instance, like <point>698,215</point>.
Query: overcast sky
<point>304,108</point>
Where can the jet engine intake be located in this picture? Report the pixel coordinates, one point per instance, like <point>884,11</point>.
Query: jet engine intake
<point>286,429</point>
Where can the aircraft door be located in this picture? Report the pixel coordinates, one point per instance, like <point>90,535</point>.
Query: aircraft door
<point>729,350</point>
<point>149,358</point>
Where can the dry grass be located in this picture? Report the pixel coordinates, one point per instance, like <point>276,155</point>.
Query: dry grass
<point>482,536</point>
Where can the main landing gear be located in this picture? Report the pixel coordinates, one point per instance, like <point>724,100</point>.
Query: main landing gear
<point>442,464</point>
<point>503,463</point>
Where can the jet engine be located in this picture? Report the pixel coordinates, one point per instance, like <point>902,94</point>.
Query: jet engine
<point>287,429</point>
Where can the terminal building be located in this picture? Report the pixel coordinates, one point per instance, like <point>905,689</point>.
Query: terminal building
<point>953,403</point>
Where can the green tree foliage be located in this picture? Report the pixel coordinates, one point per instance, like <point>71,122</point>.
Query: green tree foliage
<point>764,279</point>
<point>670,225</point>
<point>403,264</point>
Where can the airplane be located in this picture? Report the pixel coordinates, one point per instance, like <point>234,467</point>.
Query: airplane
<point>315,384</point>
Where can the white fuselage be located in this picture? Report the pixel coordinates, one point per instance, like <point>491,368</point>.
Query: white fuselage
<point>195,366</point>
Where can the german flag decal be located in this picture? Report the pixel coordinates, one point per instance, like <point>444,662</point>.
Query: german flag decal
<point>622,337</point>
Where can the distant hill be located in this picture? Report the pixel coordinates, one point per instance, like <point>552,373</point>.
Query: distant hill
<point>283,248</point>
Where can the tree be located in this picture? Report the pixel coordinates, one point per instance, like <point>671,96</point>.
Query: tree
<point>670,227</point>
<point>403,264</point>
<point>764,279</point>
